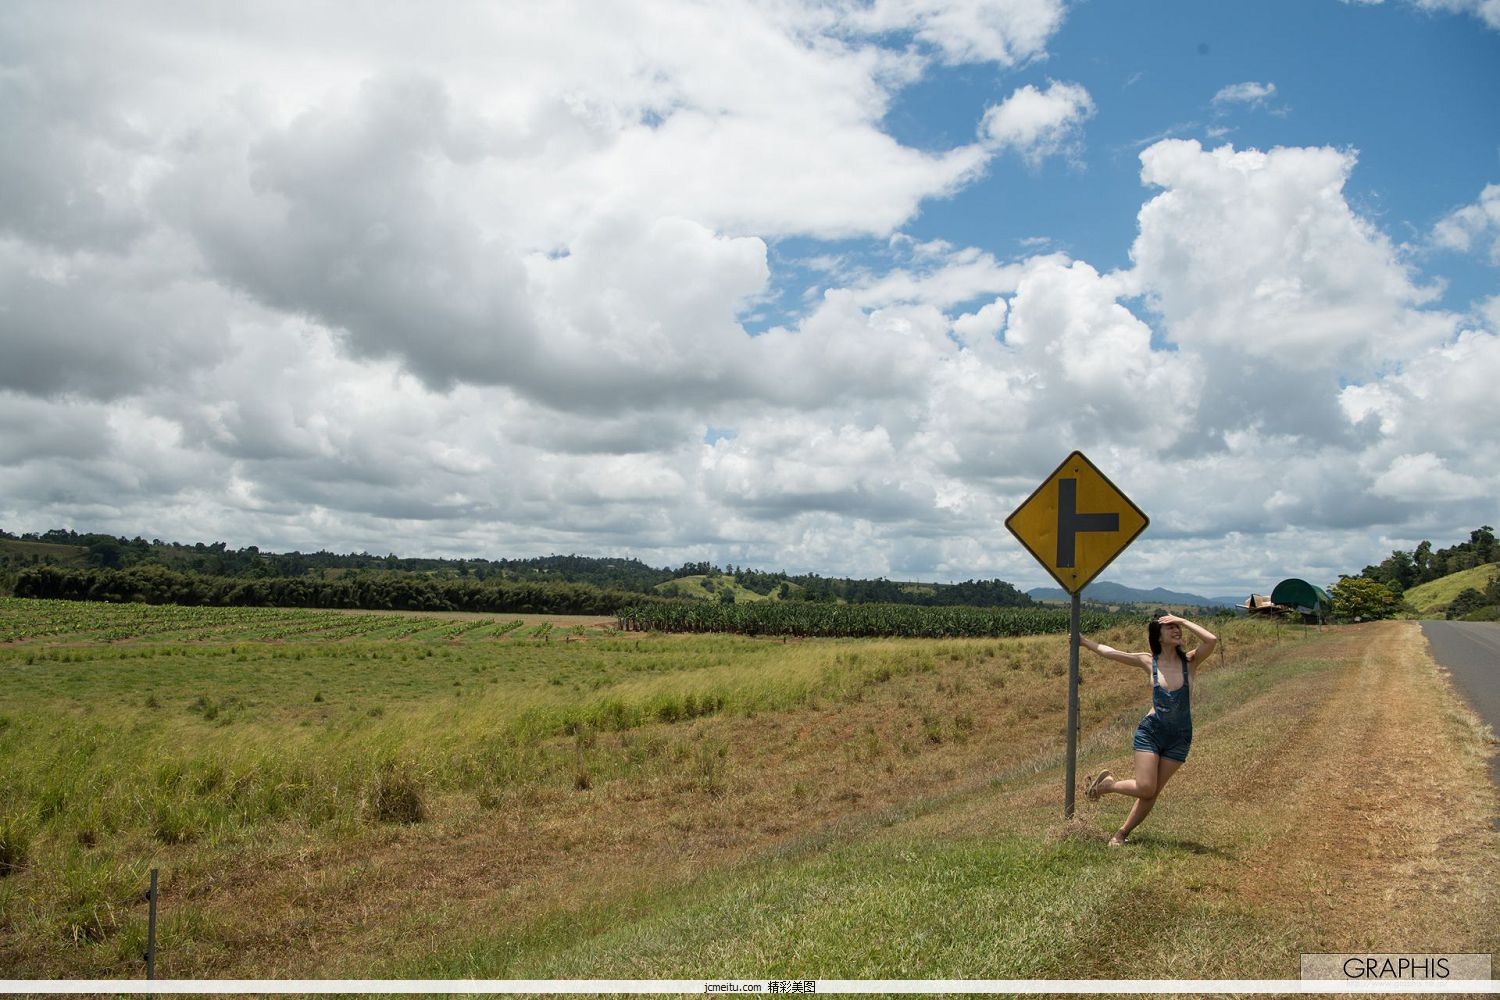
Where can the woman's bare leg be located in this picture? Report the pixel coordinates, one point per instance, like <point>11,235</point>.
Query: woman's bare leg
<point>1138,812</point>
<point>1151,773</point>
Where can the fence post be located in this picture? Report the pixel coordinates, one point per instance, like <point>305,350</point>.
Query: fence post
<point>150,955</point>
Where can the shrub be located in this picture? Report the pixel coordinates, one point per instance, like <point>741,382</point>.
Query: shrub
<point>395,795</point>
<point>1467,602</point>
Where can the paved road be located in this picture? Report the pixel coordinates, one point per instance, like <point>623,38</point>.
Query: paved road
<point>1471,653</point>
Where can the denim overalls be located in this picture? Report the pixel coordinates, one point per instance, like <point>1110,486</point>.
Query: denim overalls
<point>1167,730</point>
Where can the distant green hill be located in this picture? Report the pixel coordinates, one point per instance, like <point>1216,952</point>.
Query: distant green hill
<point>710,588</point>
<point>699,580</point>
<point>1434,596</point>
<point>23,552</point>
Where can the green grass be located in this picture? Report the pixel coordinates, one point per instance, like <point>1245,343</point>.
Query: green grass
<point>313,748</point>
<point>901,895</point>
<point>22,551</point>
<point>1433,597</point>
<point>130,732</point>
<point>831,914</point>
<point>109,743</point>
<point>709,588</point>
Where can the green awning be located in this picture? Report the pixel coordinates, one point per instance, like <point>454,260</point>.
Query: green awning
<point>1301,595</point>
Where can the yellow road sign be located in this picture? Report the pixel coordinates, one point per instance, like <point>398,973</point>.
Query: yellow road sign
<point>1076,522</point>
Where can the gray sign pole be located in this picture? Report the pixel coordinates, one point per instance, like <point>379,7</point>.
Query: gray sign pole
<point>1072,769</point>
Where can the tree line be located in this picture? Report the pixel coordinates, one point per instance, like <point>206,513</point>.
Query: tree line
<point>151,584</point>
<point>1379,590</point>
<point>1401,571</point>
<point>217,559</point>
<point>828,590</point>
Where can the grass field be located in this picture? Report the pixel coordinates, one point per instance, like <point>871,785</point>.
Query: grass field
<point>1433,598</point>
<point>334,794</point>
<point>711,588</point>
<point>22,551</point>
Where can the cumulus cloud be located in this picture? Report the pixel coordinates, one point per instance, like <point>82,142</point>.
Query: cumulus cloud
<point>450,223</point>
<point>1454,379</point>
<point>1038,123</point>
<point>1425,478</point>
<point>1473,225</point>
<point>966,31</point>
<point>307,290</point>
<point>1256,261</point>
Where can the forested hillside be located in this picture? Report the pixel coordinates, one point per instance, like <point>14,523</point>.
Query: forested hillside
<point>66,563</point>
<point>1427,583</point>
<point>1422,565</point>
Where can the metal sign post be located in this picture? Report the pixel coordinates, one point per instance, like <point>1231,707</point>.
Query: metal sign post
<point>1074,524</point>
<point>1071,774</point>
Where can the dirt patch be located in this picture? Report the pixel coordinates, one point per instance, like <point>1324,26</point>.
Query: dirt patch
<point>1372,806</point>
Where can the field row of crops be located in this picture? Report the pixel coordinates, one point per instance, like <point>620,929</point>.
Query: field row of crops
<point>855,620</point>
<point>75,621</point>
<point>24,619</point>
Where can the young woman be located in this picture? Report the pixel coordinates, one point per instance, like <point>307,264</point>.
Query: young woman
<point>1165,734</point>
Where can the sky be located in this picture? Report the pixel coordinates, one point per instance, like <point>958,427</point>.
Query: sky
<point>821,287</point>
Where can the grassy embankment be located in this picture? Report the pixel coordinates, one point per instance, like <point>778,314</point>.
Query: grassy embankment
<point>712,588</point>
<point>1431,599</point>
<point>673,805</point>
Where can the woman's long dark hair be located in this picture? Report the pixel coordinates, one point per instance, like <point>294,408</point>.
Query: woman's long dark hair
<point>1153,636</point>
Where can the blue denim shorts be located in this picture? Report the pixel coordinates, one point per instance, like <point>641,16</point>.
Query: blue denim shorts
<point>1155,736</point>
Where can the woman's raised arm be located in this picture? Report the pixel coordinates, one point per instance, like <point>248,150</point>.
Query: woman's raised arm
<point>1206,639</point>
<point>1142,660</point>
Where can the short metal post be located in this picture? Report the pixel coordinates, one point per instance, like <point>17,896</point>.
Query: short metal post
<point>151,929</point>
<point>1072,769</point>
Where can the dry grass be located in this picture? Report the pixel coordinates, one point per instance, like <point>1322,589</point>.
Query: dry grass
<point>1381,807</point>
<point>967,746</point>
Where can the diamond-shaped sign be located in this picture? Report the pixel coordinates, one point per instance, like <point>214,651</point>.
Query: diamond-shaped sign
<point>1076,522</point>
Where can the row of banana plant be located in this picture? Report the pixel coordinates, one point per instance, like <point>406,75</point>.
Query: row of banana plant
<point>798,618</point>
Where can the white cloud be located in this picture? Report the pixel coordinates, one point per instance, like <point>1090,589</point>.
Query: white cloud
<point>1473,225</point>
<point>474,285</point>
<point>965,31</point>
<point>1441,402</point>
<point>435,219</point>
<point>1249,92</point>
<point>1259,254</point>
<point>972,328</point>
<point>1487,11</point>
<point>1425,478</point>
<point>1038,123</point>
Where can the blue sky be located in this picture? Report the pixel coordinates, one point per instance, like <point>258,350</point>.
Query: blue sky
<point>1414,93</point>
<point>820,287</point>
